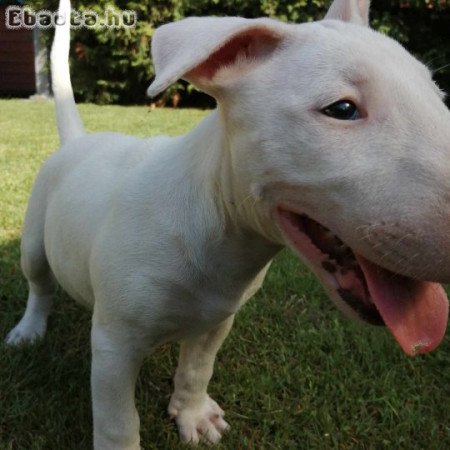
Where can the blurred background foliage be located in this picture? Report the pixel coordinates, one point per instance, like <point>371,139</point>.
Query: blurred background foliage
<point>114,65</point>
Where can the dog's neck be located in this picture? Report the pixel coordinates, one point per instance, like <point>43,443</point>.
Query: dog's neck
<point>219,218</point>
<point>215,165</point>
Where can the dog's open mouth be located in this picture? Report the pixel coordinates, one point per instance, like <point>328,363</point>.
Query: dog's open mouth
<point>415,311</point>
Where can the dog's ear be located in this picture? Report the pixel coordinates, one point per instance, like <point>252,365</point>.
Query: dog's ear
<point>353,11</point>
<point>211,51</point>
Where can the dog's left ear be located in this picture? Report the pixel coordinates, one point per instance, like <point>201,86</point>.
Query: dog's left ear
<point>353,11</point>
<point>211,52</point>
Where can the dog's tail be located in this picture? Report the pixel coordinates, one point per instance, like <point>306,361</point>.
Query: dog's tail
<point>67,116</point>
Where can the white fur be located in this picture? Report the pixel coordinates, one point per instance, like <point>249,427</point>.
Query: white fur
<point>165,238</point>
<point>68,120</point>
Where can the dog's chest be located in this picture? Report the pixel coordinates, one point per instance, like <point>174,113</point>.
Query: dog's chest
<point>209,284</point>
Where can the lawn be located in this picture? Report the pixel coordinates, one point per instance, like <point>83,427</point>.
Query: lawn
<point>293,374</point>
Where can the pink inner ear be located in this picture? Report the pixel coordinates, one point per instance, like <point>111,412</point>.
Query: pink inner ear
<point>249,45</point>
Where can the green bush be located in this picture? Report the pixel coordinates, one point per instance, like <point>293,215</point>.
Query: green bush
<point>114,65</point>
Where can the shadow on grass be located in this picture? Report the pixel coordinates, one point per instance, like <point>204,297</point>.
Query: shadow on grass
<point>293,374</point>
<point>44,387</point>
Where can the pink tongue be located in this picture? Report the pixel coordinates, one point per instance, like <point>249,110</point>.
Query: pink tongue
<point>415,311</point>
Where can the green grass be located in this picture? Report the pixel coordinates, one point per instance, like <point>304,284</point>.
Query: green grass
<point>293,374</point>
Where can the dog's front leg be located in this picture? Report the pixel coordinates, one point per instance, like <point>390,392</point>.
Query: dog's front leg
<point>116,359</point>
<point>198,415</point>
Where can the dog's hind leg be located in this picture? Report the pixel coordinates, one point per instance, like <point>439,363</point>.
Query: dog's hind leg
<point>41,289</point>
<point>36,269</point>
<point>198,415</point>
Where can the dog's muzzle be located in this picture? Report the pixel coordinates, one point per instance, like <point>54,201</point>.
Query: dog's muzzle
<point>415,311</point>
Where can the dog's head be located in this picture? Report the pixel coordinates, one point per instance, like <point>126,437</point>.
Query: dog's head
<point>340,144</point>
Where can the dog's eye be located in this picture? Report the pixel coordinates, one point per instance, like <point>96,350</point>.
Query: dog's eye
<point>342,110</point>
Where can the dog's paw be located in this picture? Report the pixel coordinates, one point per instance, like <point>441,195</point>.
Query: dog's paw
<point>204,421</point>
<point>26,331</point>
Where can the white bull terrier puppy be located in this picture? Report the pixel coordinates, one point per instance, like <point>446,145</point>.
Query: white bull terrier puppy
<point>328,137</point>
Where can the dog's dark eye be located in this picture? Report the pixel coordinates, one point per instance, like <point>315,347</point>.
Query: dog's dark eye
<point>342,110</point>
